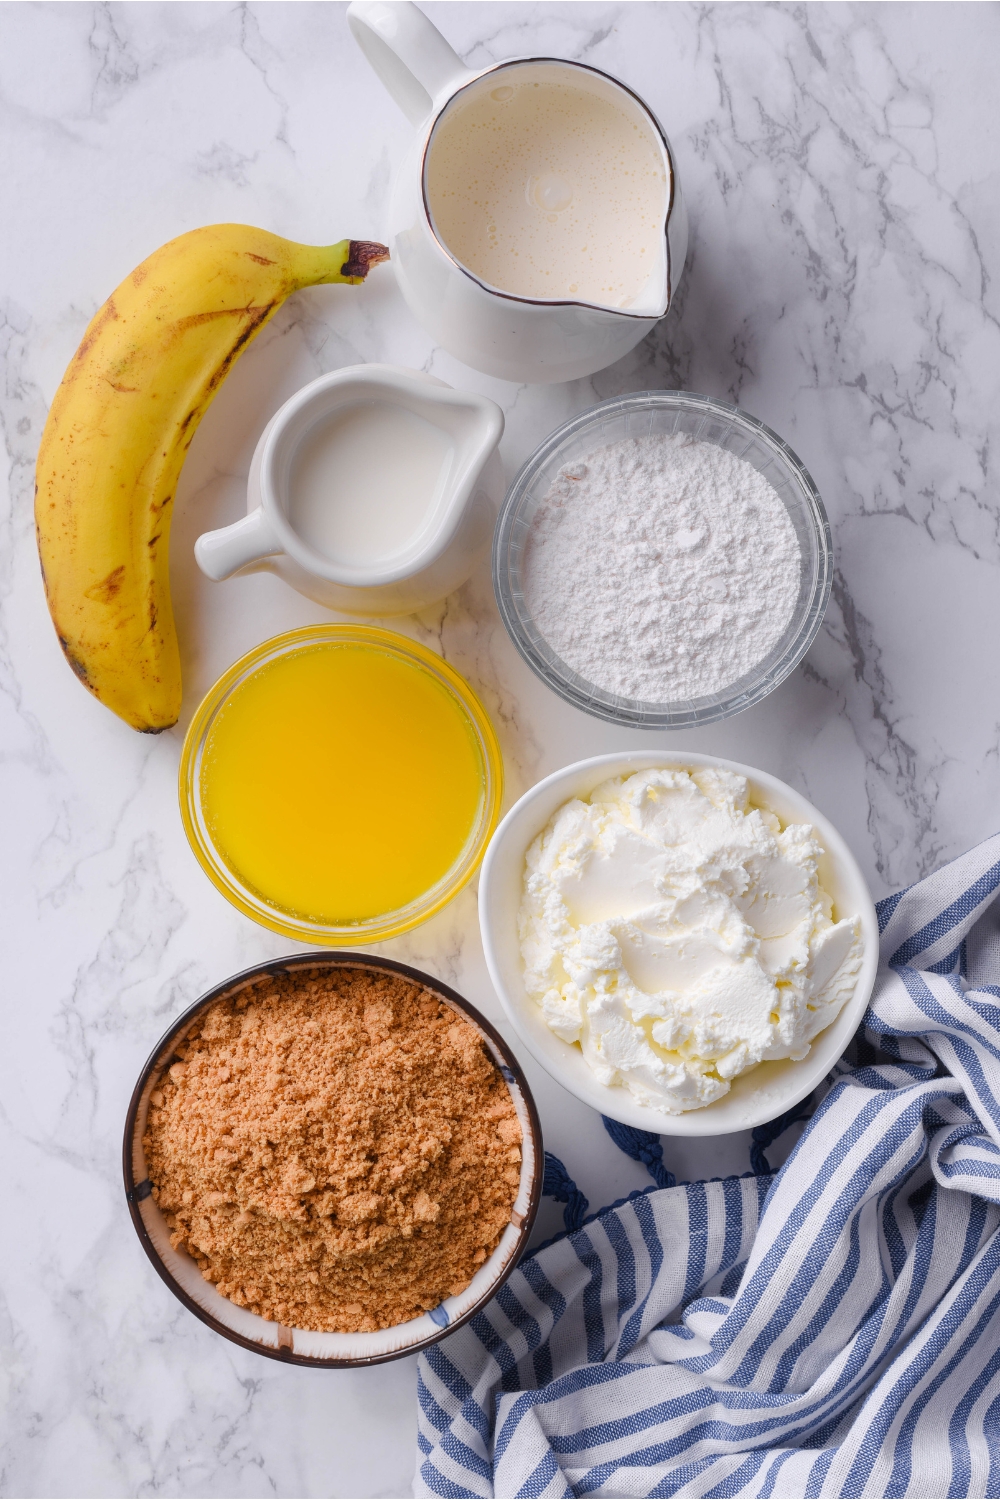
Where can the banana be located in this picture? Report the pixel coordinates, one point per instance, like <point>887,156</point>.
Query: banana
<point>117,434</point>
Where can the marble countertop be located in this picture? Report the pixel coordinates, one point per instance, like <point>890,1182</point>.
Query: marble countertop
<point>840,165</point>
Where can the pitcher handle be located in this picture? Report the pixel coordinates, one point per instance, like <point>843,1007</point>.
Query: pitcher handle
<point>408,53</point>
<point>222,553</point>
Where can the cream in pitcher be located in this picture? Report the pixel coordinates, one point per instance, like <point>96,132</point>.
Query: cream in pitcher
<point>545,189</point>
<point>536,223</point>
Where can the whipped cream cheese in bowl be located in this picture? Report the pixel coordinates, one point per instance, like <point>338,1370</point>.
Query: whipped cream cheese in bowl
<point>685,943</point>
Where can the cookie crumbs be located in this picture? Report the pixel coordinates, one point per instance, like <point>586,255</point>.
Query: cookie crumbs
<point>335,1148</point>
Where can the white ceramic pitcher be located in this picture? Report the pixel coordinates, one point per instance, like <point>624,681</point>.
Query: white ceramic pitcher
<point>413,571</point>
<point>518,338</point>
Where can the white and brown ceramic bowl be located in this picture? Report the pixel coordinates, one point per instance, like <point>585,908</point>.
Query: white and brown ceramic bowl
<point>296,1345</point>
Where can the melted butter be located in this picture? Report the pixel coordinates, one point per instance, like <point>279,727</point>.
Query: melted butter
<point>340,782</point>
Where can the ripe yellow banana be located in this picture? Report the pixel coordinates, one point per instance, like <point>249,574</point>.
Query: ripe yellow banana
<point>117,435</point>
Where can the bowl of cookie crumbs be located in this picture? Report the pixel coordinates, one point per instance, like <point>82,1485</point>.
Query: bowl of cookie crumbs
<point>333,1159</point>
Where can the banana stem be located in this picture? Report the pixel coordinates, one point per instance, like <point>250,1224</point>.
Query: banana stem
<point>361,256</point>
<point>321,265</point>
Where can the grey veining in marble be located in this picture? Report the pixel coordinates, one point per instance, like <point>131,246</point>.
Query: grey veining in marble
<point>840,163</point>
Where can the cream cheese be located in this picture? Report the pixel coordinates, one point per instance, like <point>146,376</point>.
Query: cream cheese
<point>681,937</point>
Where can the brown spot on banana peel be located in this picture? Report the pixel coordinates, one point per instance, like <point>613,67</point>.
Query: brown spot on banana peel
<point>105,591</point>
<point>107,314</point>
<point>255,317</point>
<point>259,315</point>
<point>251,310</point>
<point>261,260</point>
<point>78,666</point>
<point>361,256</point>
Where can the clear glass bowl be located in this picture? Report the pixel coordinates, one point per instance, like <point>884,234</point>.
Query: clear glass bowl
<point>386,924</point>
<point>639,415</point>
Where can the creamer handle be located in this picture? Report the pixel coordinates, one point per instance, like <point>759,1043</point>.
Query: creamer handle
<point>408,53</point>
<point>222,553</point>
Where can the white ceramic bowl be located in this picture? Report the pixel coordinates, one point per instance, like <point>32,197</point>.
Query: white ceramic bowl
<point>300,1346</point>
<point>767,1090</point>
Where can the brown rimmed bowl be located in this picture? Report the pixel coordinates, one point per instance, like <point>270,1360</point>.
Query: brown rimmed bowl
<point>300,1346</point>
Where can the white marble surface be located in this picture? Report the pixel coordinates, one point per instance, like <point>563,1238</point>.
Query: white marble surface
<point>841,168</point>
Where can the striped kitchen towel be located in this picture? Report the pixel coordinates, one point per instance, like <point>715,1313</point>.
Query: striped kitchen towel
<point>833,1329</point>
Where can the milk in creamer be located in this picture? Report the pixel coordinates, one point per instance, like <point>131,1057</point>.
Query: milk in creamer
<point>365,482</point>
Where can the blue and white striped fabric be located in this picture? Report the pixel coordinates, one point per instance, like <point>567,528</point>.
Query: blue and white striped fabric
<point>833,1329</point>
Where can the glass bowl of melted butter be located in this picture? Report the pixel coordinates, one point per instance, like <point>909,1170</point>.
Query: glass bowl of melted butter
<point>340,783</point>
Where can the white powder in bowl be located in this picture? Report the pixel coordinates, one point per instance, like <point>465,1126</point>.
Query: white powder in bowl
<point>661,568</point>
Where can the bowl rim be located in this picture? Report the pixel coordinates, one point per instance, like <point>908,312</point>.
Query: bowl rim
<point>324,958</point>
<point>387,924</point>
<point>616,1101</point>
<point>640,713</point>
